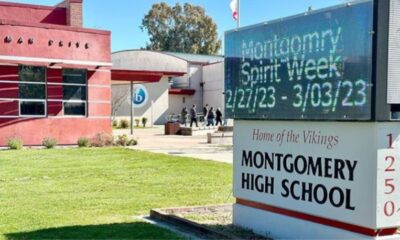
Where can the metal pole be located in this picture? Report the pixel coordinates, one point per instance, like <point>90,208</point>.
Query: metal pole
<point>239,15</point>
<point>132,106</point>
<point>152,113</point>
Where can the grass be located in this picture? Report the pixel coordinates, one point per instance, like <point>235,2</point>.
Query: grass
<point>95,193</point>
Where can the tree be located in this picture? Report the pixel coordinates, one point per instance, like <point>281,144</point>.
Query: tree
<point>180,28</point>
<point>120,96</point>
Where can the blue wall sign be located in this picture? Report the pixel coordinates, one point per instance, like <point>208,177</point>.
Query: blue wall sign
<point>141,95</point>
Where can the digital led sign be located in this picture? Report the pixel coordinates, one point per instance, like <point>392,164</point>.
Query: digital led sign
<point>316,66</point>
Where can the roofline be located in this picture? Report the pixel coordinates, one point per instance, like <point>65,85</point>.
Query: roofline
<point>215,63</point>
<point>141,50</point>
<point>164,73</point>
<point>135,50</point>
<point>205,55</point>
<point>194,62</point>
<point>54,26</point>
<point>171,55</point>
<point>205,64</point>
<point>26,5</point>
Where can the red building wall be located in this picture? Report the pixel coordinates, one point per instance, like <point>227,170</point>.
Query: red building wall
<point>33,13</point>
<point>59,42</point>
<point>65,129</point>
<point>40,40</point>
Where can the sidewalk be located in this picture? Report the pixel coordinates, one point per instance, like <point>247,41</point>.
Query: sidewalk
<point>154,140</point>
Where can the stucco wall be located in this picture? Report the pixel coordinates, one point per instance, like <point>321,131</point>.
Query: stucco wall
<point>66,129</point>
<point>178,102</point>
<point>141,60</point>
<point>214,81</point>
<point>193,80</point>
<point>33,35</point>
<point>158,94</point>
<point>33,13</point>
<point>59,43</point>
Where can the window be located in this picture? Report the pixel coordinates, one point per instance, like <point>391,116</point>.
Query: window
<point>74,109</point>
<point>32,74</point>
<point>74,76</point>
<point>29,108</point>
<point>32,90</point>
<point>74,92</point>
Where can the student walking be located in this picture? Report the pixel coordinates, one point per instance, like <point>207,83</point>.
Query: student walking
<point>184,114</point>
<point>218,114</point>
<point>210,117</point>
<point>193,116</point>
<point>205,111</point>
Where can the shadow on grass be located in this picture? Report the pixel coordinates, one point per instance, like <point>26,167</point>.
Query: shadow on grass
<point>136,230</point>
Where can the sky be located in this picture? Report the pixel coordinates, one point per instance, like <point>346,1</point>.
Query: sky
<point>124,17</point>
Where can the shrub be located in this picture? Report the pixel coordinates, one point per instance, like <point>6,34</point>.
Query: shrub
<point>144,121</point>
<point>49,142</point>
<point>132,142</point>
<point>124,140</point>
<point>137,121</point>
<point>124,124</point>
<point>83,142</point>
<point>102,140</point>
<point>15,143</point>
<point>115,123</point>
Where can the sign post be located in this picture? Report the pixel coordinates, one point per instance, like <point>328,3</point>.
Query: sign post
<point>311,158</point>
<point>131,100</point>
<point>138,98</point>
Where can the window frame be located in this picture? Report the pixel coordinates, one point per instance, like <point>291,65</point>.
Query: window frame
<point>86,101</point>
<point>75,101</point>
<point>22,100</point>
<point>45,101</point>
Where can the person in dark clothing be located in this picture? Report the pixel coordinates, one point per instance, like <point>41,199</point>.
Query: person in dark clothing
<point>218,114</point>
<point>184,114</point>
<point>205,111</point>
<point>193,116</point>
<point>210,117</point>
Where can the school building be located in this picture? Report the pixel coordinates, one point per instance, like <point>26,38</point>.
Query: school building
<point>180,80</point>
<point>54,74</point>
<point>60,80</point>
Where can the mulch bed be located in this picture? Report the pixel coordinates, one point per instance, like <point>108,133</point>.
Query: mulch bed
<point>214,222</point>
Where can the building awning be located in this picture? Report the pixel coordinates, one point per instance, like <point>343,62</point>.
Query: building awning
<point>140,66</point>
<point>181,91</point>
<point>120,76</point>
<point>51,62</point>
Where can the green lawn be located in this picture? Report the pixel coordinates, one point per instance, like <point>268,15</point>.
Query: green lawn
<point>96,193</point>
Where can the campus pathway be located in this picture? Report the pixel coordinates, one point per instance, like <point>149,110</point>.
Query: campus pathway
<point>154,140</point>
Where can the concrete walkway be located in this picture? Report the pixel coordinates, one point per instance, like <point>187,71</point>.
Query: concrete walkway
<point>154,140</point>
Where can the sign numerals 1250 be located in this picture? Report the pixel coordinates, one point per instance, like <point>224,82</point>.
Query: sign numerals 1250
<point>389,206</point>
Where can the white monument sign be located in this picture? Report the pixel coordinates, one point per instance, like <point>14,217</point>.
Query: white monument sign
<point>317,123</point>
<point>343,174</point>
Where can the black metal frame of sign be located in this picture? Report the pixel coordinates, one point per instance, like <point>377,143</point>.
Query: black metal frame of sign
<point>316,66</point>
